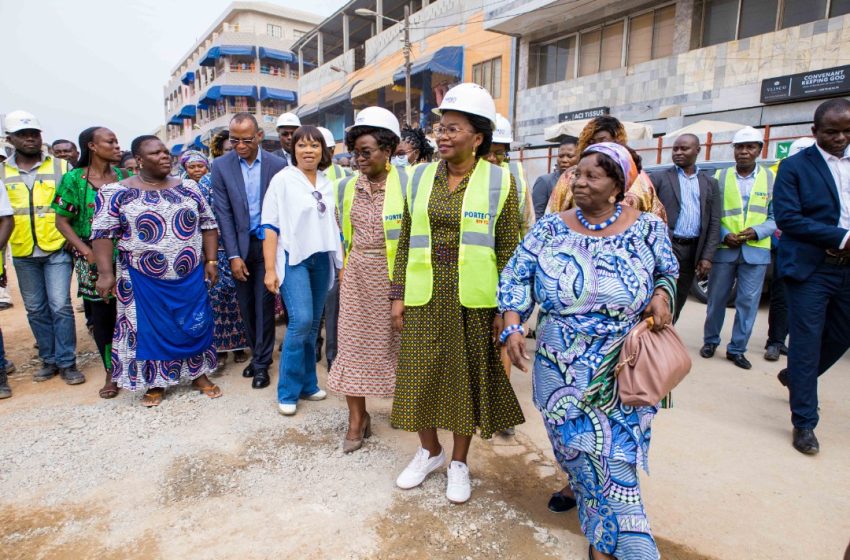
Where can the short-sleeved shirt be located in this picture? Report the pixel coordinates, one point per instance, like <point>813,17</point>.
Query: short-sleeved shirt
<point>5,205</point>
<point>75,199</point>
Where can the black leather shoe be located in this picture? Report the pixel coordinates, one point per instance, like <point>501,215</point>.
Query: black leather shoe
<point>805,442</point>
<point>772,353</point>
<point>559,503</point>
<point>248,371</point>
<point>739,360</point>
<point>707,350</point>
<point>782,376</point>
<point>261,379</point>
<point>783,349</point>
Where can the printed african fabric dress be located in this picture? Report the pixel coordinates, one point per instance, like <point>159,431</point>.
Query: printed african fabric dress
<point>160,283</point>
<point>229,333</point>
<point>591,292</point>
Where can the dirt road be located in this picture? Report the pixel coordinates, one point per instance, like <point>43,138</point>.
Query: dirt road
<point>85,478</point>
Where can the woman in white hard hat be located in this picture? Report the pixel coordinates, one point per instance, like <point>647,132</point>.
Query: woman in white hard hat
<point>370,208</point>
<point>459,229</point>
<point>302,253</point>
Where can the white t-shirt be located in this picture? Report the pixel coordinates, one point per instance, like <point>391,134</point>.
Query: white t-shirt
<point>291,208</point>
<point>5,205</point>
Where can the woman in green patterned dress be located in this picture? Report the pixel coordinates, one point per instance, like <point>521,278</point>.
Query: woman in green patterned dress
<point>449,373</point>
<point>74,206</point>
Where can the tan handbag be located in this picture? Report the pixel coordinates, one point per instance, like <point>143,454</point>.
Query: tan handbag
<point>651,364</point>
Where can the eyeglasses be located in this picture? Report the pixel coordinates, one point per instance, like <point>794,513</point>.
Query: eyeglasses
<point>364,154</point>
<point>449,131</point>
<point>237,141</point>
<point>319,204</point>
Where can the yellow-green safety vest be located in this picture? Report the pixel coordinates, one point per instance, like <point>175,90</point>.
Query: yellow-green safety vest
<point>35,220</point>
<point>335,172</point>
<point>732,217</point>
<point>518,173</point>
<point>483,201</point>
<point>393,211</point>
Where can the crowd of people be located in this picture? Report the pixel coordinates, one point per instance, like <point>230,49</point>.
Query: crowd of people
<point>426,267</point>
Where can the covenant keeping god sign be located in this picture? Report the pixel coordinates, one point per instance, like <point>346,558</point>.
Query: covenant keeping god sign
<point>828,82</point>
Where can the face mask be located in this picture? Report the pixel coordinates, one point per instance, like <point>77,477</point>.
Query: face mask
<point>399,161</point>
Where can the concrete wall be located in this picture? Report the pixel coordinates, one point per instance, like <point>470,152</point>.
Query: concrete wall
<point>721,82</point>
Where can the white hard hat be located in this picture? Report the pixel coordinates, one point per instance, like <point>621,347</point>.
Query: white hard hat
<point>328,135</point>
<point>288,119</point>
<point>21,120</point>
<point>502,134</point>
<point>469,98</point>
<point>748,134</point>
<point>379,118</point>
<point>800,144</point>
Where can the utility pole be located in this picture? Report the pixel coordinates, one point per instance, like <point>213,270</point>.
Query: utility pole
<point>408,109</point>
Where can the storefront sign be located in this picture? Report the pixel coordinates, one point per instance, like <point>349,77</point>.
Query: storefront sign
<point>584,114</point>
<point>828,82</point>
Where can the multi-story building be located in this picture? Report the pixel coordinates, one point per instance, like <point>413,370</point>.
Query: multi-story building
<point>359,60</point>
<point>765,63</point>
<point>243,62</point>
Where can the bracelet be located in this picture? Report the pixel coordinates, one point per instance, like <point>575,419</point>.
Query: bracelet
<point>212,261</point>
<point>509,330</point>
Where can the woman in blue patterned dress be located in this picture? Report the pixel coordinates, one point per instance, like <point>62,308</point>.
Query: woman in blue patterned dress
<point>167,244</point>
<point>595,271</point>
<point>229,333</point>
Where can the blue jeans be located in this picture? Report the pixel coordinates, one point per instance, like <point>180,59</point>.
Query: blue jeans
<point>304,289</point>
<point>750,281</point>
<point>45,284</point>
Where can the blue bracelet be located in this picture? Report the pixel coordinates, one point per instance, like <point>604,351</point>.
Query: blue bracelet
<point>509,330</point>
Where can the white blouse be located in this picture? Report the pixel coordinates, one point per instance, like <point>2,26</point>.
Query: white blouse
<point>291,209</point>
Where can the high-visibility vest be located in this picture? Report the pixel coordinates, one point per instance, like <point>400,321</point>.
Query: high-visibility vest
<point>518,173</point>
<point>335,172</point>
<point>392,213</point>
<point>732,216</point>
<point>35,220</point>
<point>483,202</point>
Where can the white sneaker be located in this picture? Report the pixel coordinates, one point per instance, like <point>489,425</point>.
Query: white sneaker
<point>458,489</point>
<point>286,409</point>
<point>420,467</point>
<point>319,395</point>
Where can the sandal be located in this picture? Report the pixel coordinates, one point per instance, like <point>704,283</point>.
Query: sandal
<point>108,392</point>
<point>212,391</point>
<point>240,356</point>
<point>150,400</point>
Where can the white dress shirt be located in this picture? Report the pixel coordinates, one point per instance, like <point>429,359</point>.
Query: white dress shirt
<point>291,208</point>
<point>840,169</point>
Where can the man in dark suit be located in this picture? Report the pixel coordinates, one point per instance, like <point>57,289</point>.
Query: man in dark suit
<point>693,205</point>
<point>812,206</point>
<point>545,184</point>
<point>239,181</point>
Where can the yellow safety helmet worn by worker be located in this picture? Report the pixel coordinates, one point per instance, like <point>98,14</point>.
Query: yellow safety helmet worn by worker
<point>394,191</point>
<point>35,220</point>
<point>733,217</point>
<point>483,202</point>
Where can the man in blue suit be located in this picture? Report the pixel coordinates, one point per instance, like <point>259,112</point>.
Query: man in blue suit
<point>239,181</point>
<point>746,225</point>
<point>813,211</point>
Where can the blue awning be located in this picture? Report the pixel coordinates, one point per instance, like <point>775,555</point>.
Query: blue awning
<point>177,149</point>
<point>176,120</point>
<point>217,92</point>
<point>447,60</point>
<point>340,97</point>
<point>188,78</point>
<point>219,51</point>
<point>188,112</point>
<point>279,94</point>
<point>274,54</point>
<point>197,144</point>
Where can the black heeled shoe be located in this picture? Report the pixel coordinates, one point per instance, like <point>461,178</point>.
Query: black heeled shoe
<point>559,503</point>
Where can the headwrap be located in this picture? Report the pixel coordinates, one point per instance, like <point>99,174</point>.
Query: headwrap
<point>621,157</point>
<point>193,156</point>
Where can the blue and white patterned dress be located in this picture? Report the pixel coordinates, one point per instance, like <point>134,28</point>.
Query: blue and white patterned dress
<point>160,235</point>
<point>591,292</point>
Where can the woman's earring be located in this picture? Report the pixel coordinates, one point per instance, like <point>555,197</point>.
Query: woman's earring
<point>612,199</point>
<point>388,166</point>
<point>140,165</point>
